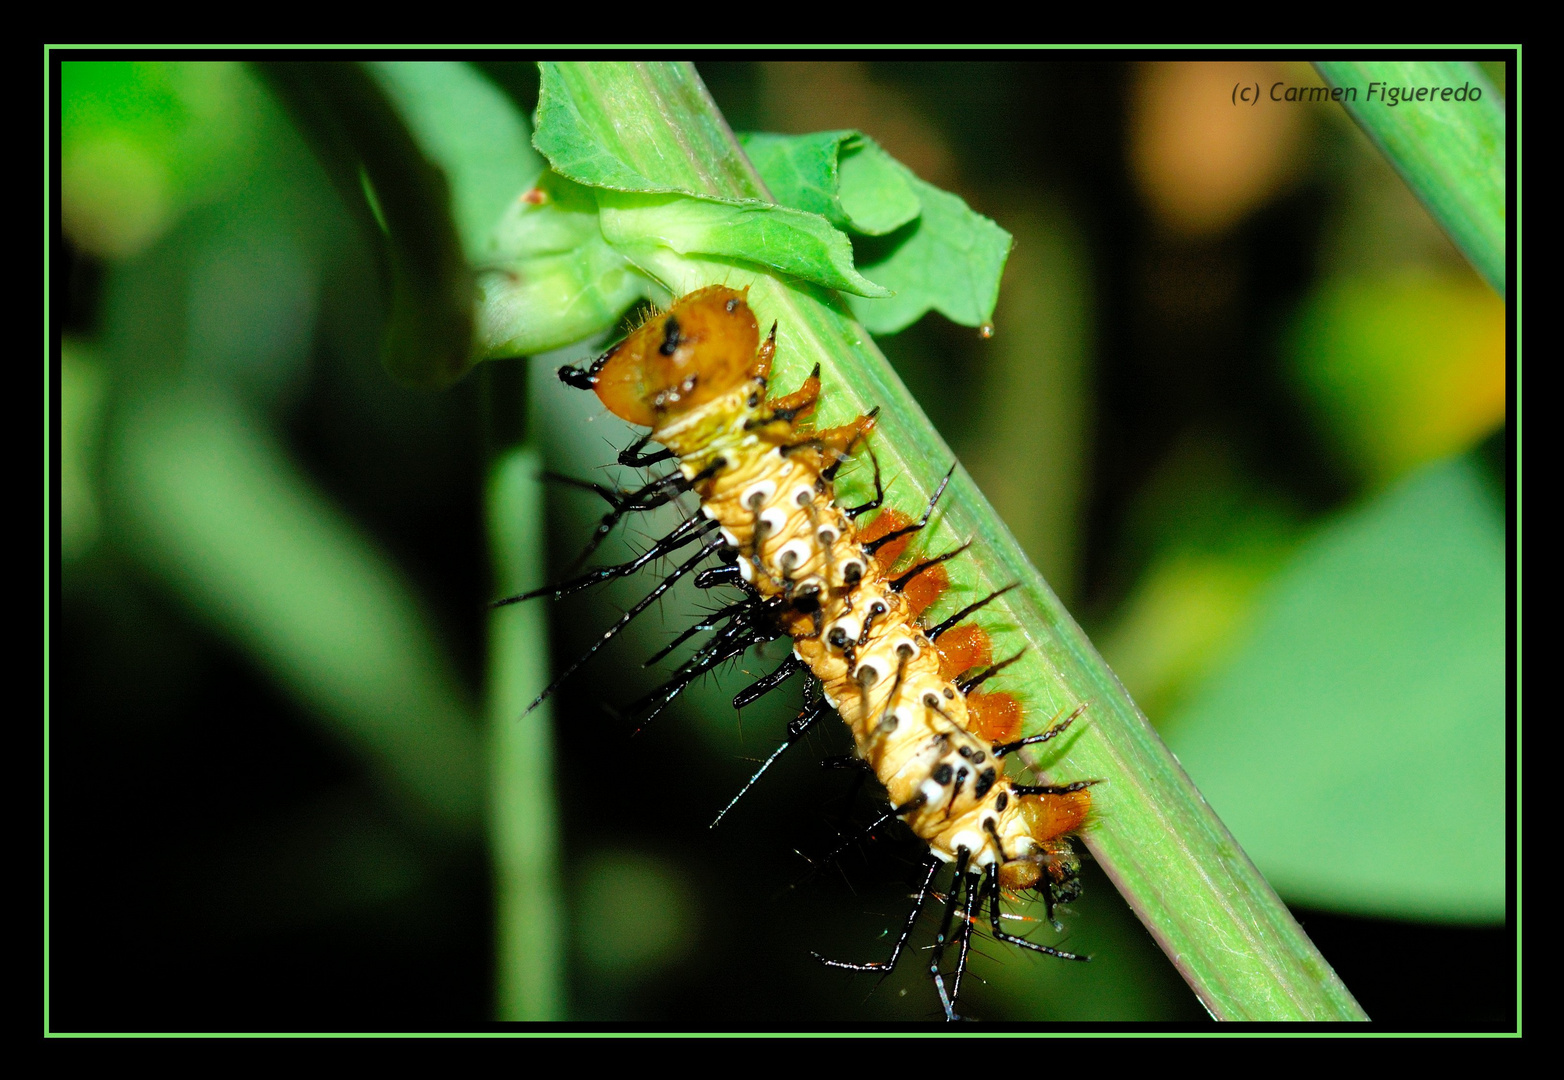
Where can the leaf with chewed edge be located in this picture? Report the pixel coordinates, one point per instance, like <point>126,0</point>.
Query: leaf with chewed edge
<point>843,176</point>
<point>950,260</point>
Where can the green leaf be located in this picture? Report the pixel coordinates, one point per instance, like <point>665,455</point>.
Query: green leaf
<point>657,199</point>
<point>555,217</point>
<point>950,259</point>
<point>1355,745</point>
<point>874,188</point>
<point>843,176</point>
<point>552,301</point>
<point>1451,149</point>
<point>208,502</point>
<point>555,280</point>
<point>470,129</point>
<point>789,241</point>
<point>647,127</point>
<point>362,140</point>
<point>944,256</point>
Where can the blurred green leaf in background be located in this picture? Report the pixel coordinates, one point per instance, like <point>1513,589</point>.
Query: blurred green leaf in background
<point>208,566</point>
<point>1375,672</point>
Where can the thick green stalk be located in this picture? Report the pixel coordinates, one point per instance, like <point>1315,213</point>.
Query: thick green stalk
<point>1187,879</point>
<point>1449,148</point>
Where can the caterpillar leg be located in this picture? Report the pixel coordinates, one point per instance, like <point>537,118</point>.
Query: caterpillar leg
<point>784,410</point>
<point>900,583</point>
<point>761,369</point>
<point>970,609</point>
<point>957,884</point>
<point>624,621</point>
<point>687,533</point>
<point>974,897</point>
<point>658,492</point>
<point>720,575</point>
<point>846,761</point>
<point>732,611</point>
<point>631,456</point>
<point>763,686</point>
<point>830,447</point>
<point>753,625</point>
<point>795,731</point>
<point>992,886</point>
<point>875,503</point>
<point>966,686</point>
<point>1053,789</point>
<point>930,867</point>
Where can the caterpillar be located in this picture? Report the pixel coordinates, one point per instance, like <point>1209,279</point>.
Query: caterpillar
<point>697,376</point>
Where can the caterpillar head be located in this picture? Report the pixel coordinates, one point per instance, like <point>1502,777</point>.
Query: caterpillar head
<point>696,351</point>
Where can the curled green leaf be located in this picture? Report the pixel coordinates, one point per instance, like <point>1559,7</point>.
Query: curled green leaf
<point>551,301</point>
<point>554,280</point>
<point>789,241</point>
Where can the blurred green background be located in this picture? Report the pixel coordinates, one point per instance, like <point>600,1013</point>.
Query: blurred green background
<point>1245,408</point>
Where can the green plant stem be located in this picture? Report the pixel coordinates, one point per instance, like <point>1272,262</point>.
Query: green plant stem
<point>1452,154</point>
<point>529,917</point>
<point>1178,867</point>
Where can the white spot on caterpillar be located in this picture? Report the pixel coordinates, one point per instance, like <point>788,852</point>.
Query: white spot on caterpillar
<point>794,553</point>
<point>891,721</point>
<point>933,792</point>
<point>758,494</point>
<point>809,585</point>
<point>848,626</point>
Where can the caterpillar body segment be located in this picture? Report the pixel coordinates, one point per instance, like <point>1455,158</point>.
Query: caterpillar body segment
<point>697,376</point>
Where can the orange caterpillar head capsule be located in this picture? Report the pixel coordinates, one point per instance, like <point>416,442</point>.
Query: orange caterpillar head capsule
<point>696,351</point>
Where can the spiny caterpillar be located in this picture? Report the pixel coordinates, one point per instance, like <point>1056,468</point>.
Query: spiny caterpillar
<point>696,375</point>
